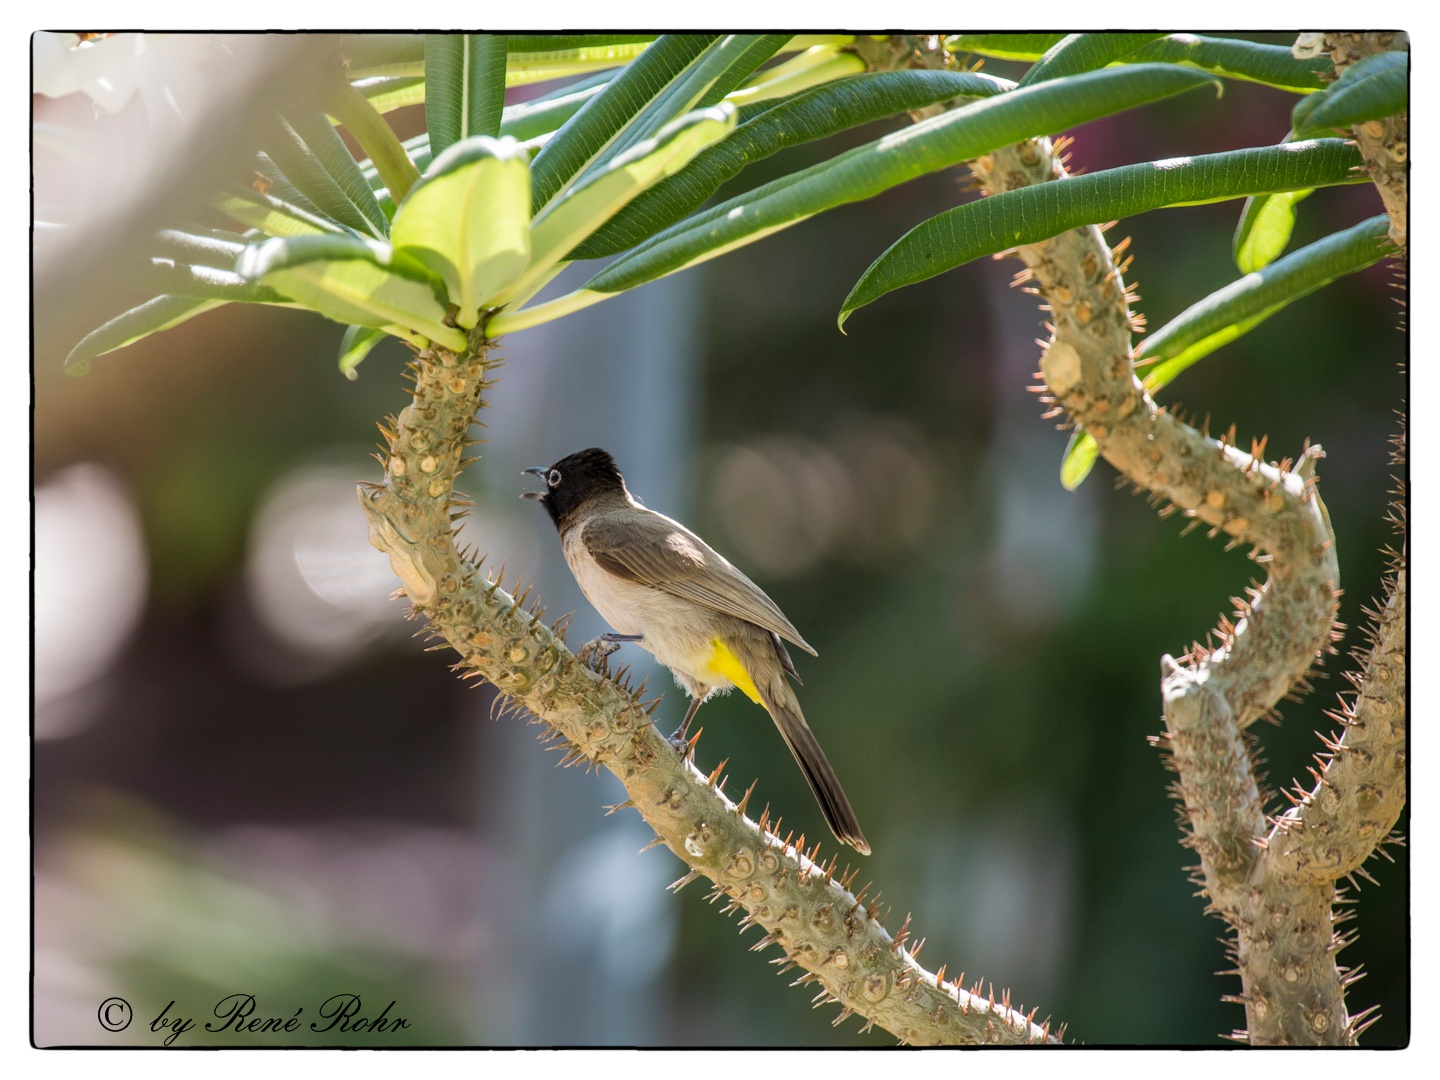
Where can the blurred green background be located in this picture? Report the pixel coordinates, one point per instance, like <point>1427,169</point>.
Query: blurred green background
<point>250,779</point>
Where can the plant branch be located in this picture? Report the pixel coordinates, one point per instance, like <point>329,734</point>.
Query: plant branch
<point>1292,988</point>
<point>1383,143</point>
<point>805,908</point>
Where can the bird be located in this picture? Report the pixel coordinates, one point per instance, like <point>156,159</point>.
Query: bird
<point>663,588</point>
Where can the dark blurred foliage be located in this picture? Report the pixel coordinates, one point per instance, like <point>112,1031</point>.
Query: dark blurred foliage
<point>989,643</point>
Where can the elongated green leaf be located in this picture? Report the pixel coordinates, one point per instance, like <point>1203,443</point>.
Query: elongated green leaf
<point>531,43</point>
<point>721,68</point>
<point>335,157</point>
<point>523,121</point>
<point>199,282</point>
<point>1265,227</point>
<point>771,85</point>
<point>921,148</point>
<point>352,280</point>
<point>585,207</point>
<point>384,55</point>
<point>389,94</point>
<point>531,118</point>
<point>149,318</point>
<point>1272,65</point>
<point>402,55</point>
<point>1029,215</point>
<point>1226,314</point>
<point>314,158</point>
<point>737,60</point>
<point>270,180</point>
<point>587,132</point>
<point>464,87</point>
<point>1004,46</point>
<point>275,216</point>
<point>1080,456</point>
<point>1083,52</point>
<point>1231,58</point>
<point>814,114</point>
<point>1368,89</point>
<point>355,345</point>
<point>468,220</point>
<point>202,246</point>
<point>537,66</point>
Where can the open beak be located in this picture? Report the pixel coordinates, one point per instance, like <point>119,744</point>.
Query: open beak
<point>540,471</point>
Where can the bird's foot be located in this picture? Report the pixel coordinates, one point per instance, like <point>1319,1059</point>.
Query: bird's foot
<point>679,738</point>
<point>595,652</point>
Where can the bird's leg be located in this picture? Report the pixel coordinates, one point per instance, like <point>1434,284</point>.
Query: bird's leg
<point>678,738</point>
<point>595,651</point>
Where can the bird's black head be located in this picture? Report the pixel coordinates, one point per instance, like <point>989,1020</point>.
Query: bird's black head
<point>573,481</point>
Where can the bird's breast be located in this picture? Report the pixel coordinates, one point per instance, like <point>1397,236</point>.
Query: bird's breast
<point>686,637</point>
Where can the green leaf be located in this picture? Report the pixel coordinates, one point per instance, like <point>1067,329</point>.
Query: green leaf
<point>1029,215</point>
<point>1083,52</point>
<point>531,118</point>
<point>533,43</point>
<point>587,206</point>
<point>814,114</point>
<point>276,185</point>
<point>468,220</point>
<point>1004,46</point>
<point>355,346</point>
<point>353,280</point>
<point>1228,313</point>
<point>813,67</point>
<point>933,144</point>
<point>530,67</point>
<point>1080,456</point>
<point>721,68</point>
<point>275,216</point>
<point>377,138</point>
<point>388,94</point>
<point>200,282</point>
<point>1368,89</point>
<point>384,55</point>
<point>401,55</point>
<point>1231,58</point>
<point>315,159</point>
<point>335,158</point>
<point>1265,227</point>
<point>523,121</point>
<point>202,246</point>
<point>465,87</point>
<point>598,121</point>
<point>149,318</point>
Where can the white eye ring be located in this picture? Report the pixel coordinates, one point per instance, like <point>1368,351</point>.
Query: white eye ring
<point>553,479</point>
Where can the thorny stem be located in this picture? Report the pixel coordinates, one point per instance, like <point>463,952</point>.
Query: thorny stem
<point>805,908</point>
<point>1293,989</point>
<point>1384,143</point>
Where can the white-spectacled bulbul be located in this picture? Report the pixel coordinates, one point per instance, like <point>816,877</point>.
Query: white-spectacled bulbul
<point>659,585</point>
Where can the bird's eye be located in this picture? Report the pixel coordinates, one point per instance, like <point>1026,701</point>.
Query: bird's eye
<point>554,478</point>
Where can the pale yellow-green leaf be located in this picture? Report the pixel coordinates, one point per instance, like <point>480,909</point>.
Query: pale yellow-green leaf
<point>468,220</point>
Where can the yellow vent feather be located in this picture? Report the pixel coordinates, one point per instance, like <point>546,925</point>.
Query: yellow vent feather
<point>725,663</point>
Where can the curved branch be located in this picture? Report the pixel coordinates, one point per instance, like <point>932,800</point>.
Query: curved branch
<point>1293,990</point>
<point>804,907</point>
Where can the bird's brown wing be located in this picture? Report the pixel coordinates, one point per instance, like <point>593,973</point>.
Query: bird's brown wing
<point>645,547</point>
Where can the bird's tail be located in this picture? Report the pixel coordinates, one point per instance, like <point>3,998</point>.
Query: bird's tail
<point>784,709</point>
